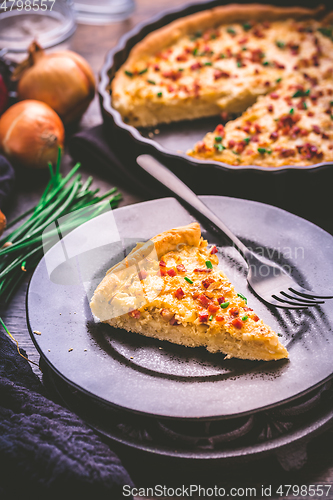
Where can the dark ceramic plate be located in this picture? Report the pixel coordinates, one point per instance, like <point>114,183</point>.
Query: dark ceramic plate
<point>144,375</point>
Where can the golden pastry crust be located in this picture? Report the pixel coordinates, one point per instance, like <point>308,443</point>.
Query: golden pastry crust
<point>183,297</point>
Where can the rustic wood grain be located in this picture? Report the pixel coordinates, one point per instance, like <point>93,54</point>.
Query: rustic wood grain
<point>93,42</point>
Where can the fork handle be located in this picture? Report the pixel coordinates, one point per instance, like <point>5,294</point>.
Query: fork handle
<point>185,194</point>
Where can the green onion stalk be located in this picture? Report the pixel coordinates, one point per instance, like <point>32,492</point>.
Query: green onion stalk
<point>22,249</point>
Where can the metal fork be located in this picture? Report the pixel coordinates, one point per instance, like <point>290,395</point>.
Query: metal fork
<point>267,279</point>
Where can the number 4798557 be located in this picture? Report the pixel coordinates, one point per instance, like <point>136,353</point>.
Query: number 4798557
<point>27,5</point>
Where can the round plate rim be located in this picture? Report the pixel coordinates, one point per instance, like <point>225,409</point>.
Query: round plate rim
<point>143,413</point>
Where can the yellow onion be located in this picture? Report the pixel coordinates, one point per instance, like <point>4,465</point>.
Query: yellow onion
<point>64,80</point>
<point>30,134</point>
<point>3,222</point>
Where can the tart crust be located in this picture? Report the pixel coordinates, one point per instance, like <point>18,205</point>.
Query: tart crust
<point>171,288</point>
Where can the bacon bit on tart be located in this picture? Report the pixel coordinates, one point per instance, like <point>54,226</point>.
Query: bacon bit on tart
<point>234,311</point>
<point>203,316</point>
<point>174,322</point>
<point>237,323</point>
<point>207,282</point>
<point>171,272</point>
<point>204,301</point>
<point>202,270</point>
<point>181,268</point>
<point>174,75</point>
<point>220,129</point>
<point>219,317</point>
<point>213,250</point>
<point>255,318</point>
<point>270,108</point>
<point>166,315</point>
<point>274,135</point>
<point>221,300</point>
<point>274,95</point>
<point>135,314</point>
<point>218,73</point>
<point>179,293</point>
<point>212,308</point>
<point>162,263</point>
<point>196,65</point>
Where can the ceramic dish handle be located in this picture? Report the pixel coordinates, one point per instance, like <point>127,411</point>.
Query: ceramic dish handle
<point>183,193</point>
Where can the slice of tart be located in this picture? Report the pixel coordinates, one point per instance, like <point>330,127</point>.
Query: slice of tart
<point>172,289</point>
<point>291,126</point>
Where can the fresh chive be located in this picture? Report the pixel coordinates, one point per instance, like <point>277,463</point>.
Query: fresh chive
<point>305,106</point>
<point>331,103</point>
<point>188,280</point>
<point>143,71</point>
<point>244,48</point>
<point>210,317</point>
<point>218,138</point>
<point>219,147</point>
<point>195,51</point>
<point>278,80</point>
<point>180,69</point>
<point>244,318</point>
<point>326,31</point>
<point>279,334</point>
<point>242,297</point>
<point>291,111</point>
<point>239,64</point>
<point>159,94</point>
<point>152,82</point>
<point>247,139</point>
<point>301,93</point>
<point>209,265</point>
<point>128,73</point>
<point>231,31</point>
<point>213,36</point>
<point>208,63</point>
<point>235,153</point>
<point>247,26</point>
<point>331,117</point>
<point>265,63</point>
<point>280,44</point>
<point>222,56</point>
<point>262,151</point>
<point>224,305</point>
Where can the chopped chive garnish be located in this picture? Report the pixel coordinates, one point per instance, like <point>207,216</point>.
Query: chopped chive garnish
<point>247,26</point>
<point>244,318</point>
<point>210,317</point>
<point>305,106</point>
<point>152,82</point>
<point>208,63</point>
<point>128,73</point>
<point>143,71</point>
<point>235,153</point>
<point>278,80</point>
<point>180,69</point>
<point>331,117</point>
<point>188,280</point>
<point>159,94</point>
<point>280,44</point>
<point>213,36</point>
<point>262,151</point>
<point>224,305</point>
<point>195,51</point>
<point>331,103</point>
<point>301,93</point>
<point>247,139</point>
<point>291,111</point>
<point>222,56</point>
<point>239,64</point>
<point>242,297</point>
<point>265,63</point>
<point>209,265</point>
<point>198,34</point>
<point>218,138</point>
<point>326,31</point>
<point>219,147</point>
<point>244,48</point>
<point>279,334</point>
<point>231,31</point>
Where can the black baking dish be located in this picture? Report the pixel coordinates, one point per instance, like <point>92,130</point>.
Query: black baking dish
<point>302,190</point>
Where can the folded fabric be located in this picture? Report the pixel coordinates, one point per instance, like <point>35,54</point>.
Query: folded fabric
<point>7,177</point>
<point>46,450</point>
<point>93,148</point>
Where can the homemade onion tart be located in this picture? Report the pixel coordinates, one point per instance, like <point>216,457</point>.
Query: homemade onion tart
<point>172,289</point>
<point>272,65</point>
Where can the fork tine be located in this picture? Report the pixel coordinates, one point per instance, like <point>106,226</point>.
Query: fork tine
<point>285,304</point>
<point>302,299</point>
<point>308,293</point>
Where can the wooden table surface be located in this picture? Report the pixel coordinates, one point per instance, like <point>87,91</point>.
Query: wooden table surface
<point>93,42</point>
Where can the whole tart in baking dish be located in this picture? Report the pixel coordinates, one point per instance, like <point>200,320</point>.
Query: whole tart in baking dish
<point>172,289</point>
<point>272,65</point>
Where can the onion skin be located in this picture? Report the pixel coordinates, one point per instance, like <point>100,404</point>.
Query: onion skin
<point>3,223</point>
<point>30,134</point>
<point>63,80</point>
